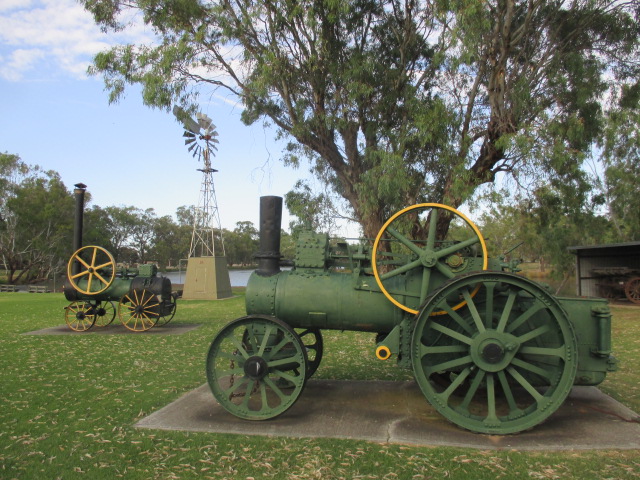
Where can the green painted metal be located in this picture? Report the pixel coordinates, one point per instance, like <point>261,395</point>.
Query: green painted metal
<point>119,287</point>
<point>257,367</point>
<point>143,298</point>
<point>492,351</point>
<point>500,364</point>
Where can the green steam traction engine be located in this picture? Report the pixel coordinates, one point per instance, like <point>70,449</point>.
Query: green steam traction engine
<point>144,299</point>
<point>492,351</point>
<point>94,283</point>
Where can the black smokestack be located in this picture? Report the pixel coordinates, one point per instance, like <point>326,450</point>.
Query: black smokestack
<point>270,225</point>
<point>77,229</point>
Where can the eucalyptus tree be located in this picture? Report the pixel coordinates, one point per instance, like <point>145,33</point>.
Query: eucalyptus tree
<point>36,221</point>
<point>621,152</point>
<point>392,102</point>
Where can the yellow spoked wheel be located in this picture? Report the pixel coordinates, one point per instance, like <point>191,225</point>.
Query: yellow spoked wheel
<point>80,316</point>
<point>409,243</point>
<point>97,270</point>
<point>105,313</point>
<point>139,310</point>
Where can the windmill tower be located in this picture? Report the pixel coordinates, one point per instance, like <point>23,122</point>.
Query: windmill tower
<point>207,275</point>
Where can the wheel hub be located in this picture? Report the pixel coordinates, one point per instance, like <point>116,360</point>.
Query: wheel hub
<point>493,351</point>
<point>428,259</point>
<point>256,368</point>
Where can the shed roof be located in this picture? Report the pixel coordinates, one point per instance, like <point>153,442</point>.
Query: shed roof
<point>626,247</point>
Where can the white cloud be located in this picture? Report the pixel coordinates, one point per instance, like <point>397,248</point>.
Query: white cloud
<point>12,4</point>
<point>41,38</point>
<point>18,61</point>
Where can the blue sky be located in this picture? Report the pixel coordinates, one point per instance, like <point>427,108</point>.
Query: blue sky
<point>53,115</point>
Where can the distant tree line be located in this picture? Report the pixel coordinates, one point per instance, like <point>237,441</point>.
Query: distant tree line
<point>37,220</point>
<point>37,216</point>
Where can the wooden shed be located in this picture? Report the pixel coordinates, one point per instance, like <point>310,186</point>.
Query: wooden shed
<point>606,270</point>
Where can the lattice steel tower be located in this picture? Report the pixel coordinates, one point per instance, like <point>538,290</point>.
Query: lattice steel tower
<point>206,215</point>
<point>201,140</point>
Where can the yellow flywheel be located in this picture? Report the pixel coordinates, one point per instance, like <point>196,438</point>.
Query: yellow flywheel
<point>96,271</point>
<point>400,248</point>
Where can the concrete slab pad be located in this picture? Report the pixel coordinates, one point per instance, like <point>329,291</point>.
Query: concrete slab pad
<point>397,412</point>
<point>118,329</point>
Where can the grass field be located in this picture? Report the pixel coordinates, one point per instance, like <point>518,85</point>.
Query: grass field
<point>68,403</point>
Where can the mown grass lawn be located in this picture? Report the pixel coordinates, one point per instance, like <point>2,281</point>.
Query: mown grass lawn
<point>68,405</point>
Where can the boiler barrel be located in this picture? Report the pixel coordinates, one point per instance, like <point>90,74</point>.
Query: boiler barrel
<point>327,301</point>
<point>116,290</point>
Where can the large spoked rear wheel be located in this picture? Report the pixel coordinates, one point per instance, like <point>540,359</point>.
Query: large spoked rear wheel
<point>139,310</point>
<point>503,362</point>
<point>257,367</point>
<point>632,289</point>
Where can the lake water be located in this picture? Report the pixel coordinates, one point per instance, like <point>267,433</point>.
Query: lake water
<point>238,278</point>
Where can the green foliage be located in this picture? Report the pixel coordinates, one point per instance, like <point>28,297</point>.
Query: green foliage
<point>36,221</point>
<point>545,224</point>
<point>392,102</point>
<point>621,152</point>
<point>313,212</point>
<point>241,244</point>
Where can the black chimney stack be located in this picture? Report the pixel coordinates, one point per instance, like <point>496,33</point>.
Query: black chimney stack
<point>77,229</point>
<point>270,225</point>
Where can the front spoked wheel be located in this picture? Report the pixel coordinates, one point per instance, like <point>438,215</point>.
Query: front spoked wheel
<point>313,344</point>
<point>257,367</point>
<point>105,313</point>
<point>500,364</point>
<point>80,316</point>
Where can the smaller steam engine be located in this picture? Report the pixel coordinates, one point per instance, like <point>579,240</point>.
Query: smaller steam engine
<point>143,298</point>
<point>492,351</point>
<point>95,284</point>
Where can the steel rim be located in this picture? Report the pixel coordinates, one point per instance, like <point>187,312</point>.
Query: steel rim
<point>257,367</point>
<point>501,364</point>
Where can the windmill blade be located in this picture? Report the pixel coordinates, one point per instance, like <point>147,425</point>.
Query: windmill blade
<point>189,141</point>
<point>187,133</point>
<point>203,120</point>
<point>194,146</point>
<point>210,132</point>
<point>189,123</point>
